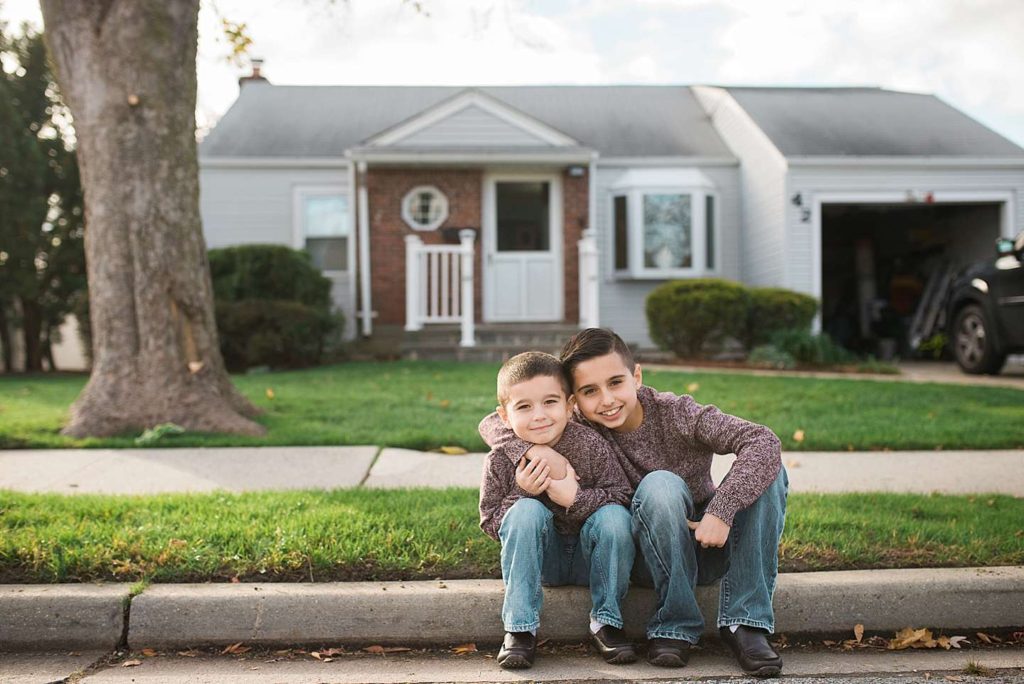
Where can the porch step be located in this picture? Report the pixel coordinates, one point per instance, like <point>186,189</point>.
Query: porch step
<point>495,343</point>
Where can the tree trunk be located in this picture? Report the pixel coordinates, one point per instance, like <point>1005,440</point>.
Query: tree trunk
<point>31,331</point>
<point>127,69</point>
<point>5,341</point>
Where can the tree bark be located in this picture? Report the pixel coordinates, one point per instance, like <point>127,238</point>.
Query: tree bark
<point>127,69</point>
<point>31,328</point>
<point>5,342</point>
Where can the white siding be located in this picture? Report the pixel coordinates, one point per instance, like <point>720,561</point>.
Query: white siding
<point>472,127</point>
<point>622,301</point>
<point>254,206</point>
<point>763,186</point>
<point>803,270</point>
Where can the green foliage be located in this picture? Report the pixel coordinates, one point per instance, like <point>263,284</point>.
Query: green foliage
<point>770,309</point>
<point>42,261</point>
<point>770,356</point>
<point>158,432</point>
<point>684,316</point>
<point>810,349</point>
<point>935,345</point>
<point>272,307</point>
<point>279,334</point>
<point>266,272</point>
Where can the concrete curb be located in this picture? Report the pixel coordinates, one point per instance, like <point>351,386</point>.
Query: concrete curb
<point>447,612</point>
<point>62,616</point>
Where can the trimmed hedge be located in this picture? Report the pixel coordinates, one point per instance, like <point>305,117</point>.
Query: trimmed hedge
<point>273,307</point>
<point>814,350</point>
<point>267,272</point>
<point>771,309</point>
<point>685,315</point>
<point>275,333</point>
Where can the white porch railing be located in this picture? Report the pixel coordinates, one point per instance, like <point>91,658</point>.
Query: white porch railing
<point>589,316</point>
<point>439,284</point>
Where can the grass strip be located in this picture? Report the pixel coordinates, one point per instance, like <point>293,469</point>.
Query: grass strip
<point>424,405</point>
<point>421,533</point>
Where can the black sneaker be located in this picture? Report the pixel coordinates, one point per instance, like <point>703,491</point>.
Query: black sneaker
<point>751,648</point>
<point>668,652</point>
<point>614,647</point>
<point>517,651</point>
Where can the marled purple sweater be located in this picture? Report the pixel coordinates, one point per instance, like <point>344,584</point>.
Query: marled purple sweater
<point>601,480</point>
<point>681,436</point>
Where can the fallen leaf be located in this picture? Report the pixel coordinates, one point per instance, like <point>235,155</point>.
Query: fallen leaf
<point>235,580</point>
<point>988,638</point>
<point>463,649</point>
<point>190,653</point>
<point>798,436</point>
<point>283,652</point>
<point>829,642</point>
<point>908,637</point>
<point>332,651</point>
<point>542,642</point>
<point>444,403</point>
<point>858,632</point>
<point>381,650</point>
<point>270,393</point>
<point>453,450</point>
<point>692,387</point>
<point>236,648</point>
<point>315,654</point>
<point>131,663</point>
<point>149,653</point>
<point>955,641</point>
<point>328,660</point>
<point>792,463</point>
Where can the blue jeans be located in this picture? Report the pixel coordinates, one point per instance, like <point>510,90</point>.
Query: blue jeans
<point>674,563</point>
<point>533,552</point>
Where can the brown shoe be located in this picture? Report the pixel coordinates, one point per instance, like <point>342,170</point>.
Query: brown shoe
<point>668,652</point>
<point>614,647</point>
<point>751,648</point>
<point>517,651</point>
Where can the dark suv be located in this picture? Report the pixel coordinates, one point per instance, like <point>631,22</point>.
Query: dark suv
<point>986,307</point>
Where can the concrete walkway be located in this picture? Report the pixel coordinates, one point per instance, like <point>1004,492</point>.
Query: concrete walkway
<point>151,471</point>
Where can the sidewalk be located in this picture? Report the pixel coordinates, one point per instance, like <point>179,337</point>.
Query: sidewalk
<point>238,469</point>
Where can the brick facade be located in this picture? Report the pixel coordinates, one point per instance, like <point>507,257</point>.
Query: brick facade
<point>387,186</point>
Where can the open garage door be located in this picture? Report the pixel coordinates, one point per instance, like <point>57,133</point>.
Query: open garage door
<point>877,259</point>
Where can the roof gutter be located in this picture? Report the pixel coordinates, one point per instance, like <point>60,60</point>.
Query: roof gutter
<point>934,162</point>
<point>428,158</point>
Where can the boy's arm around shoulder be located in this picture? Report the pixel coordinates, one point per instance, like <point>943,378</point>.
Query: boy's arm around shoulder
<point>758,453</point>
<point>498,491</point>
<point>500,437</point>
<point>603,481</point>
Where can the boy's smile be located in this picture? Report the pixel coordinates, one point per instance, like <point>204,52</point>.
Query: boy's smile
<point>537,410</point>
<point>605,391</point>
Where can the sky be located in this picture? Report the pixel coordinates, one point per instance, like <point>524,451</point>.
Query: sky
<point>967,52</point>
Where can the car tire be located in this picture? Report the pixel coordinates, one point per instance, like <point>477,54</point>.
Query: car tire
<point>973,343</point>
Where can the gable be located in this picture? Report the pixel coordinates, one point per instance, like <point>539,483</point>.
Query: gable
<point>471,120</point>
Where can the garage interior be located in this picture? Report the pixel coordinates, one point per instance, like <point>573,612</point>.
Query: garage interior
<point>877,261</point>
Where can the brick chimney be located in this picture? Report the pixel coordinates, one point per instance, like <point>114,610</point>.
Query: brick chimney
<point>255,76</point>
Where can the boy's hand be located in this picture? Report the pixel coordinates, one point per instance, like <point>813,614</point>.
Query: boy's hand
<point>532,476</point>
<point>555,460</point>
<point>710,531</point>
<point>563,492</point>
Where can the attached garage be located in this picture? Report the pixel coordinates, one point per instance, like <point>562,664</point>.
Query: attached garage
<point>878,259</point>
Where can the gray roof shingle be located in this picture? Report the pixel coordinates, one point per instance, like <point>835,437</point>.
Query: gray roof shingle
<point>867,122</point>
<point>324,121</point>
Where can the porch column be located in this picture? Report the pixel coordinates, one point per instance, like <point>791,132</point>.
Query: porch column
<point>466,239</point>
<point>588,280</point>
<point>413,316</point>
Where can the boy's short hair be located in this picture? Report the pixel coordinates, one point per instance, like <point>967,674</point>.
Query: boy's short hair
<point>591,343</point>
<point>529,365</point>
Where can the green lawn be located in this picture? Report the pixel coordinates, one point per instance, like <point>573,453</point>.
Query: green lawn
<point>418,534</point>
<point>424,405</point>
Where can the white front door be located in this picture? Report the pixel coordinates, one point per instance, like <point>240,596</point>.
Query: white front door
<point>522,265</point>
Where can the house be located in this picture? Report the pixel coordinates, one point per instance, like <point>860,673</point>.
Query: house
<point>564,206</point>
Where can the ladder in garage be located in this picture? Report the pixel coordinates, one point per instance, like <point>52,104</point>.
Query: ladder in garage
<point>930,312</point>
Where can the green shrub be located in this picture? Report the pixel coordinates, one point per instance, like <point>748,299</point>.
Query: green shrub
<point>815,350</point>
<point>685,315</point>
<point>270,272</point>
<point>279,334</point>
<point>770,356</point>
<point>770,309</point>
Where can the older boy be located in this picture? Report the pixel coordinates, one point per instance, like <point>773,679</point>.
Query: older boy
<point>572,530</point>
<point>685,528</point>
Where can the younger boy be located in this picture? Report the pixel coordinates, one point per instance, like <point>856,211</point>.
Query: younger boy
<point>573,530</point>
<point>685,528</point>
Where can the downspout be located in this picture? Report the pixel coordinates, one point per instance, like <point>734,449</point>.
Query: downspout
<point>595,291</point>
<point>353,227</point>
<point>364,254</point>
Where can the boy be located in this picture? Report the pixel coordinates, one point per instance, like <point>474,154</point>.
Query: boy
<point>685,528</point>
<point>572,530</point>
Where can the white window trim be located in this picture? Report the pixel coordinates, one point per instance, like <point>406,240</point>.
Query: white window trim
<point>635,269</point>
<point>300,193</point>
<point>436,223</point>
